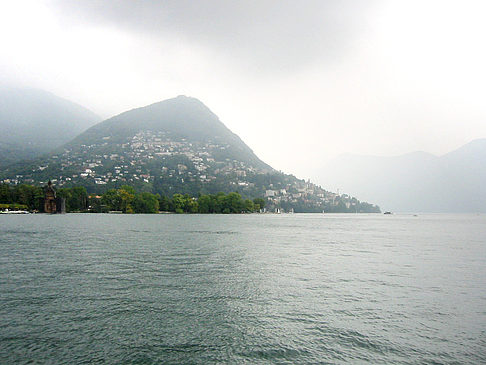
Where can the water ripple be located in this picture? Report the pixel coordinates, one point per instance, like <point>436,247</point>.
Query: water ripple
<point>253,289</point>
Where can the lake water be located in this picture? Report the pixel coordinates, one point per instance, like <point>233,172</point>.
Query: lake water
<point>188,289</point>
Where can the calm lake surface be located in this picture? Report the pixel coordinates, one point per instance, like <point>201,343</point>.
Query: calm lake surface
<point>185,289</point>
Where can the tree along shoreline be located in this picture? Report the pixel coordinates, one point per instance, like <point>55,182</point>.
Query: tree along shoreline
<point>126,200</point>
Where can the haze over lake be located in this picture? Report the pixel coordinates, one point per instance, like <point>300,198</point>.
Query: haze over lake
<point>302,288</point>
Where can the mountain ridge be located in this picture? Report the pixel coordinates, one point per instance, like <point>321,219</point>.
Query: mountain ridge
<point>35,121</point>
<point>417,181</point>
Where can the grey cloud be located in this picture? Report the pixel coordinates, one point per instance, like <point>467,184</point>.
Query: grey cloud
<point>267,34</point>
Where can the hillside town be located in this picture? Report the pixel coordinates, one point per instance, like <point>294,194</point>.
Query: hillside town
<point>159,162</point>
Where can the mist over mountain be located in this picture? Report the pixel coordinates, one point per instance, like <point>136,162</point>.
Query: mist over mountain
<point>34,122</point>
<point>415,182</point>
<point>174,146</point>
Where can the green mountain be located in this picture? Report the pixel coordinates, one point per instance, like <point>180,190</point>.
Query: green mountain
<point>34,122</point>
<point>180,117</point>
<point>174,146</point>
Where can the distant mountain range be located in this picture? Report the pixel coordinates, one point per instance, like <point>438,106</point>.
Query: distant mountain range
<point>174,146</point>
<point>33,122</point>
<point>415,182</point>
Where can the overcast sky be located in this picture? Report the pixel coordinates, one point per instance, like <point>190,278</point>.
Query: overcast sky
<point>299,81</point>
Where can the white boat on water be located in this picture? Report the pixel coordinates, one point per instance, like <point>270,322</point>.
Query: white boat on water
<point>14,212</point>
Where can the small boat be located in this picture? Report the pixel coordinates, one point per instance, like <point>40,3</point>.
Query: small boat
<point>388,213</point>
<point>14,212</point>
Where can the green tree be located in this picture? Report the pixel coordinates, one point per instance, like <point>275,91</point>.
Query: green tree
<point>177,203</point>
<point>190,204</point>
<point>112,200</point>
<point>129,189</point>
<point>127,198</point>
<point>76,198</point>
<point>219,203</point>
<point>259,203</point>
<point>146,203</point>
<point>249,206</point>
<point>233,203</point>
<point>163,203</point>
<point>31,196</point>
<point>79,198</point>
<point>204,202</point>
<point>5,194</point>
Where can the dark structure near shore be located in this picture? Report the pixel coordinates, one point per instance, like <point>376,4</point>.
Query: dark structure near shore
<point>52,203</point>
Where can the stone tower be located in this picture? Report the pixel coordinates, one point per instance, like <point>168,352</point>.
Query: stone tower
<point>53,203</point>
<point>50,199</point>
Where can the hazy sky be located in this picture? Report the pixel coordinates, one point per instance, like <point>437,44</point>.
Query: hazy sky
<point>298,81</point>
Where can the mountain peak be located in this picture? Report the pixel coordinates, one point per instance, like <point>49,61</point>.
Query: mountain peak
<point>180,117</point>
<point>475,147</point>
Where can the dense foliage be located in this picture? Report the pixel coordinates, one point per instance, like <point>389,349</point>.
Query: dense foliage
<point>31,197</point>
<point>127,200</point>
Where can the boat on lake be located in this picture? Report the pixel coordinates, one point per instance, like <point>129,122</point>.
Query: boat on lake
<point>14,212</point>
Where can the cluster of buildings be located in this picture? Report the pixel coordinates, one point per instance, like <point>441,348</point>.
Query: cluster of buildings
<point>308,196</point>
<point>150,156</point>
<point>141,158</point>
